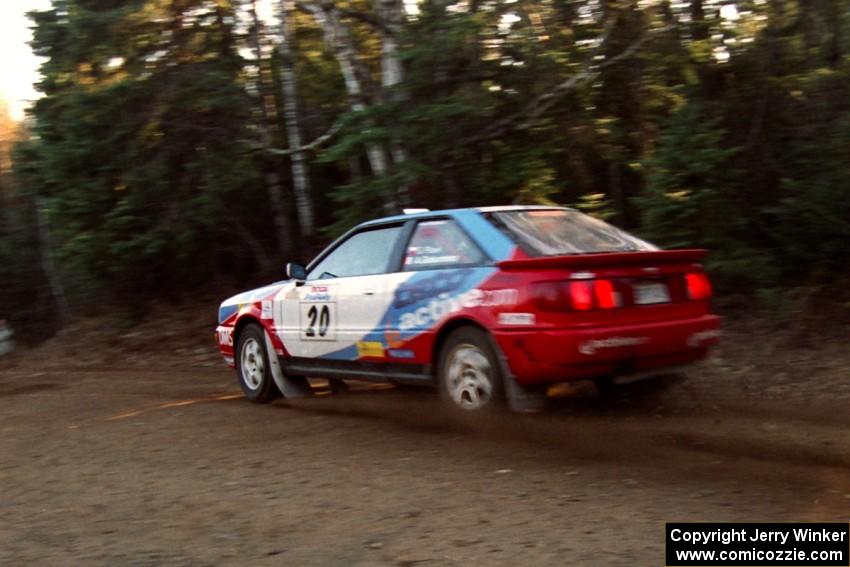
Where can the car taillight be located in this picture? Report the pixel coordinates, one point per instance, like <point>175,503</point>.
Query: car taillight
<point>551,296</point>
<point>698,285</point>
<point>581,295</point>
<point>606,298</point>
<point>576,295</point>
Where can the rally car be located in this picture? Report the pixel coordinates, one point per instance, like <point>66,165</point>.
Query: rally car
<point>488,304</point>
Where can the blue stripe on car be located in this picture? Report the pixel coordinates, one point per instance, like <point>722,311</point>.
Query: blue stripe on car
<point>492,240</point>
<point>226,311</point>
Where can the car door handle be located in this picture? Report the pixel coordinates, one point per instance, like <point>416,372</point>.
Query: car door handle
<point>369,293</point>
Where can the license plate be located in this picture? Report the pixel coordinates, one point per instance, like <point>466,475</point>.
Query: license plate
<point>649,293</point>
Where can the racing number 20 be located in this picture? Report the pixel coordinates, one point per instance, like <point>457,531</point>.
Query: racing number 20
<point>324,319</point>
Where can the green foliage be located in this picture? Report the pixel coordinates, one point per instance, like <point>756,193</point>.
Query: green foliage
<point>692,200</point>
<point>596,205</point>
<point>689,183</point>
<point>24,298</point>
<point>726,134</point>
<point>134,142</point>
<point>811,219</point>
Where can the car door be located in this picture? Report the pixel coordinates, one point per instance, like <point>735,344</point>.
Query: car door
<point>337,314</point>
<point>441,265</point>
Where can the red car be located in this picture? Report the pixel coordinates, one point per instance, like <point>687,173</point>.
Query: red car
<point>487,304</point>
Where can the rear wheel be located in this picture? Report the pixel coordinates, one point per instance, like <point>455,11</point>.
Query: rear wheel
<point>468,373</point>
<point>252,366</point>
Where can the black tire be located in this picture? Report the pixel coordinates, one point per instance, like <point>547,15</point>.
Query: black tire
<point>462,382</point>
<point>253,369</point>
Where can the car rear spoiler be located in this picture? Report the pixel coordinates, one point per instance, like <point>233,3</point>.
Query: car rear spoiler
<point>606,259</point>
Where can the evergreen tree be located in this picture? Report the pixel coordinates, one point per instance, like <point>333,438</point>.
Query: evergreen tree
<point>159,158</point>
<point>134,141</point>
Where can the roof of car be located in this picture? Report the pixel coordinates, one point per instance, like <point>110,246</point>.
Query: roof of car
<point>452,212</point>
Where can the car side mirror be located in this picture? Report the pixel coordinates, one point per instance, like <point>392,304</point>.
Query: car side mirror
<point>296,272</point>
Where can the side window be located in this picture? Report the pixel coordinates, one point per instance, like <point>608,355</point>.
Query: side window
<point>365,253</point>
<point>440,243</point>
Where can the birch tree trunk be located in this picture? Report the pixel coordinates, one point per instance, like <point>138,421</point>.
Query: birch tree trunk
<point>338,38</point>
<point>283,234</point>
<point>391,13</point>
<point>57,290</point>
<point>300,178</point>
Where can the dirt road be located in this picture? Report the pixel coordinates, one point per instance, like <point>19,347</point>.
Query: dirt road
<point>171,466</point>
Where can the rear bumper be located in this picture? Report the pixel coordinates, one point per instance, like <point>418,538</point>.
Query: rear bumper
<point>542,356</point>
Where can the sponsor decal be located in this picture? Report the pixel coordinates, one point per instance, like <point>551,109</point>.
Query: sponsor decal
<point>225,311</point>
<point>702,336</point>
<point>392,338</point>
<point>420,290</point>
<point>266,312</point>
<point>225,336</point>
<point>370,348</point>
<point>517,319</point>
<point>318,293</point>
<point>401,353</point>
<point>592,346</point>
<point>445,304</point>
<point>426,255</point>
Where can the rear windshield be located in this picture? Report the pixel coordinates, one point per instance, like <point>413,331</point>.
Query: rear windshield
<point>551,232</point>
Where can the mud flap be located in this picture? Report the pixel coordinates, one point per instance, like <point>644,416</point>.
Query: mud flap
<point>289,386</point>
<point>523,399</point>
<point>520,398</point>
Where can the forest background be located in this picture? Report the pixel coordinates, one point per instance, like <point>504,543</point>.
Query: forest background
<point>181,146</point>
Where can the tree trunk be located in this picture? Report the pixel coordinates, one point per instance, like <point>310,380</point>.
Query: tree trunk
<point>300,178</point>
<point>5,204</point>
<point>834,54</point>
<point>274,186</point>
<point>451,189</point>
<point>615,190</point>
<point>57,290</point>
<point>391,13</point>
<point>699,27</point>
<point>338,38</point>
<point>251,242</point>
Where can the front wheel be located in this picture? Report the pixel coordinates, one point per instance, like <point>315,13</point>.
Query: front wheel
<point>252,366</point>
<point>468,373</point>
